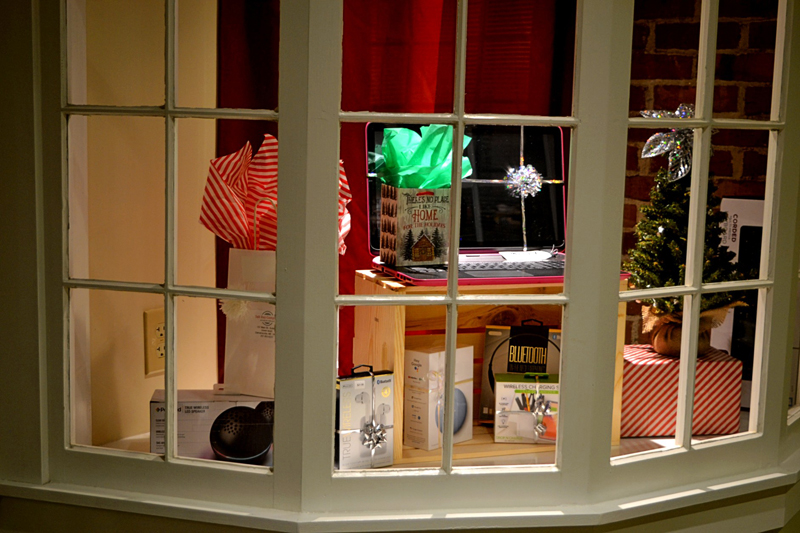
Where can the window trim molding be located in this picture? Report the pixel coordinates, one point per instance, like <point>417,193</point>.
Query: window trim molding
<point>308,479</point>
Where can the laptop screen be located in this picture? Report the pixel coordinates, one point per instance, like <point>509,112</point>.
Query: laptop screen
<point>491,217</point>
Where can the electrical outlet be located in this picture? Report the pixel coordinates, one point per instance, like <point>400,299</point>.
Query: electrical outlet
<point>154,341</point>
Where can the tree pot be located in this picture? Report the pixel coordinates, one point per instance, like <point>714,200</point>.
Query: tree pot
<point>666,339</point>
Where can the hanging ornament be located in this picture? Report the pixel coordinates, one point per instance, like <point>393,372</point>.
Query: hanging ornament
<point>677,142</point>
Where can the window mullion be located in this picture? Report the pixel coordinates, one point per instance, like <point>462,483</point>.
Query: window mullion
<point>306,322</point>
<point>696,230</point>
<point>451,329</point>
<point>596,193</point>
<point>170,172</point>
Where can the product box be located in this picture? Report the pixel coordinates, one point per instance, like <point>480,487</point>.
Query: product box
<point>526,408</point>
<point>423,416</point>
<point>650,393</point>
<point>742,235</point>
<point>516,349</point>
<point>414,226</point>
<point>197,410</point>
<point>364,420</point>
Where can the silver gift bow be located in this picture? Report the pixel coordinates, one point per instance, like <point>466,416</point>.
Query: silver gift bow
<point>677,142</point>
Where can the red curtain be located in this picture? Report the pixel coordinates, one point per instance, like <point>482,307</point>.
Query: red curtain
<point>398,57</point>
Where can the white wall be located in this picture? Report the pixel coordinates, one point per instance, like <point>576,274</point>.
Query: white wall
<point>123,202</point>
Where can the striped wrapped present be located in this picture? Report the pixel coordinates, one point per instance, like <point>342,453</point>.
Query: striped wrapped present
<point>650,393</point>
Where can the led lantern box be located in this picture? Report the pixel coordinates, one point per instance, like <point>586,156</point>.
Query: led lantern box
<point>423,415</point>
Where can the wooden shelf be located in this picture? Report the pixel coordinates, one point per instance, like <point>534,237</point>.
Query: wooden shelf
<point>383,333</point>
<point>481,445</point>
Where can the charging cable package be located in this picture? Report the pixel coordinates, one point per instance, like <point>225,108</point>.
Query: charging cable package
<point>526,408</point>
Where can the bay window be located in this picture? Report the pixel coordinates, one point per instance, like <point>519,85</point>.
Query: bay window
<point>146,99</point>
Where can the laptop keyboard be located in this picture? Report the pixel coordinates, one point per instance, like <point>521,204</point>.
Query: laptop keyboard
<point>508,265</point>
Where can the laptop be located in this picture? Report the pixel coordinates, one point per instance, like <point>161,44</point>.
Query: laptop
<point>491,239</point>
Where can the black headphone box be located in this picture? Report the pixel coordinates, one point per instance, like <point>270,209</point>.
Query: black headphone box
<point>516,349</point>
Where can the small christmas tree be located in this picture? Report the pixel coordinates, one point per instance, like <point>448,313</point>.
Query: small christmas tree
<point>659,257</point>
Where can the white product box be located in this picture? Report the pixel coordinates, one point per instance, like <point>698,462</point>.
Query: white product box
<point>424,397</point>
<point>362,399</point>
<point>515,413</point>
<point>197,410</point>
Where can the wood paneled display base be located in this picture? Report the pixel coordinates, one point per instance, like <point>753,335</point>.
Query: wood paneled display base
<point>382,334</point>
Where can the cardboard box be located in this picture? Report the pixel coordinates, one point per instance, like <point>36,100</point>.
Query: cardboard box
<point>414,226</point>
<point>498,339</point>
<point>197,410</point>
<point>362,399</point>
<point>423,414</point>
<point>526,411</point>
<point>650,393</point>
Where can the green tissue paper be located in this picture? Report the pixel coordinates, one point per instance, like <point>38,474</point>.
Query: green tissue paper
<point>413,161</point>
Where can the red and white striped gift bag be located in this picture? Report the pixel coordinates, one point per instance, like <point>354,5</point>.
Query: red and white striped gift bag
<point>241,197</point>
<point>650,393</point>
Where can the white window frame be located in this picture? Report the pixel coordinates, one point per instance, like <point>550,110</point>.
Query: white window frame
<point>304,482</point>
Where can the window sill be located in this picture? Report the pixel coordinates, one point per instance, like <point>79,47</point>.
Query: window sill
<point>714,498</point>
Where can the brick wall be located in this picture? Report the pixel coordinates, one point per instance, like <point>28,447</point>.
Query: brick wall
<point>663,75</point>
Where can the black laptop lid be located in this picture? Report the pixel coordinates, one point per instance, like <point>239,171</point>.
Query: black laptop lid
<point>491,218</point>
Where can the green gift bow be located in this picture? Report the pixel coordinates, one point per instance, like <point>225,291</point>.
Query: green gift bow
<point>414,161</point>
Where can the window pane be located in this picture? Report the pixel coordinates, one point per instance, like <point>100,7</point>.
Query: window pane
<point>247,36</point>
<point>404,347</point>
<point>745,59</point>
<point>116,204</point>
<point>116,52</point>
<point>207,225</point>
<point>656,214</point>
<point>196,62</point>
<point>520,57</point>
<point>739,167</point>
<point>664,61</point>
<point>516,352</point>
<point>221,425</point>
<point>398,56</point>
<point>649,406</point>
<point>726,365</point>
<point>117,355</point>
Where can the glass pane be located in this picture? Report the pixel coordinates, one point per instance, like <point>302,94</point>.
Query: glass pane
<point>403,346</point>
<point>247,36</point>
<point>520,57</point>
<point>116,52</point>
<point>203,247</point>
<point>735,205</point>
<point>214,423</point>
<point>794,379</point>
<point>664,61</point>
<point>196,62</point>
<point>745,59</point>
<point>408,234</point>
<point>116,198</point>
<point>117,355</point>
<point>398,56</point>
<point>516,374</point>
<point>649,395</point>
<point>655,219</point>
<point>726,365</point>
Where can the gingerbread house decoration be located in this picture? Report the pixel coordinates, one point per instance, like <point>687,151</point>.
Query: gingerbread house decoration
<point>423,250</point>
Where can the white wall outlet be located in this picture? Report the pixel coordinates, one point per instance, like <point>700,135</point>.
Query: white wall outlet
<point>154,341</point>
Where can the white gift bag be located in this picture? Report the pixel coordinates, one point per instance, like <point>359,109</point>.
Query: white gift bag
<point>250,338</point>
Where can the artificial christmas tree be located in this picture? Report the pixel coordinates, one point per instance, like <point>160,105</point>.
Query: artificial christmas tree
<point>659,257</point>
